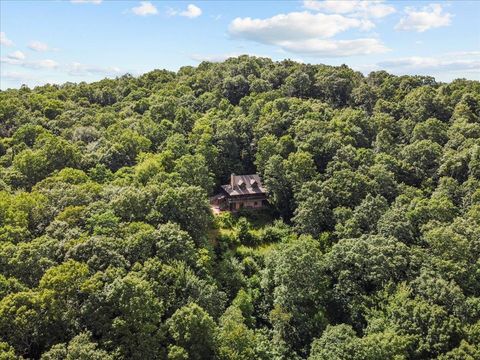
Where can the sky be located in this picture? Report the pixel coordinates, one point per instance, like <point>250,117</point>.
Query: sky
<point>87,40</point>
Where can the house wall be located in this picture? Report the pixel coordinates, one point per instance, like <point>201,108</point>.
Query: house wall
<point>237,204</point>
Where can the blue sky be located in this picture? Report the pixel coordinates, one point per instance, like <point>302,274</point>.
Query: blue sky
<point>87,40</point>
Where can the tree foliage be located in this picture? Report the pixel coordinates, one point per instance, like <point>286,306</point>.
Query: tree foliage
<point>369,248</point>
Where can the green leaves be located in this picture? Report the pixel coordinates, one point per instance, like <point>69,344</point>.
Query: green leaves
<point>193,330</point>
<point>361,267</point>
<point>135,327</point>
<point>80,347</point>
<point>186,206</point>
<point>294,278</point>
<point>369,250</point>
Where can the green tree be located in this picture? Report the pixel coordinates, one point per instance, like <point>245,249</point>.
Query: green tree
<point>280,192</point>
<point>194,330</point>
<point>135,313</point>
<point>175,244</point>
<point>80,347</point>
<point>186,206</point>
<point>297,284</point>
<point>234,88</point>
<point>193,170</point>
<point>359,267</point>
<point>236,341</point>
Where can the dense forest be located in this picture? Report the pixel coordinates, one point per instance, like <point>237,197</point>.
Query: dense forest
<point>369,250</point>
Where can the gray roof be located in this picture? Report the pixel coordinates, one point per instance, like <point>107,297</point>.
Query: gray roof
<point>245,185</point>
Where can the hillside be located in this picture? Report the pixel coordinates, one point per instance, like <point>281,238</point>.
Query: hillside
<point>369,249</point>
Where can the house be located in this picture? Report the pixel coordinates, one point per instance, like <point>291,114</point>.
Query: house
<point>244,191</point>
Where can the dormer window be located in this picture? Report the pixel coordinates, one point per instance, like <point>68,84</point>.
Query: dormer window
<point>253,183</point>
<point>241,184</point>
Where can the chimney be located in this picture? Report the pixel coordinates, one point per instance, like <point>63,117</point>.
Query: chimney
<point>232,180</point>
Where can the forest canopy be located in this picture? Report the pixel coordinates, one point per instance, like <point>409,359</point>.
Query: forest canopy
<point>369,250</point>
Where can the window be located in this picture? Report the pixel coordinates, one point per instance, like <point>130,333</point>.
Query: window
<point>255,203</point>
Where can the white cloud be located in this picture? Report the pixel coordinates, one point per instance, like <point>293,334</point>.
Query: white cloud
<point>4,40</point>
<point>16,76</point>
<point>420,20</point>
<point>38,46</point>
<point>191,12</point>
<point>474,53</point>
<point>79,69</point>
<point>338,7</point>
<point>75,68</point>
<point>362,8</point>
<point>365,68</point>
<point>31,64</point>
<point>17,55</point>
<point>213,57</point>
<point>146,8</point>
<point>96,2</point>
<point>335,48</point>
<point>294,26</point>
<point>16,79</point>
<point>308,34</point>
<point>445,62</point>
<point>45,64</point>
<point>10,61</point>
